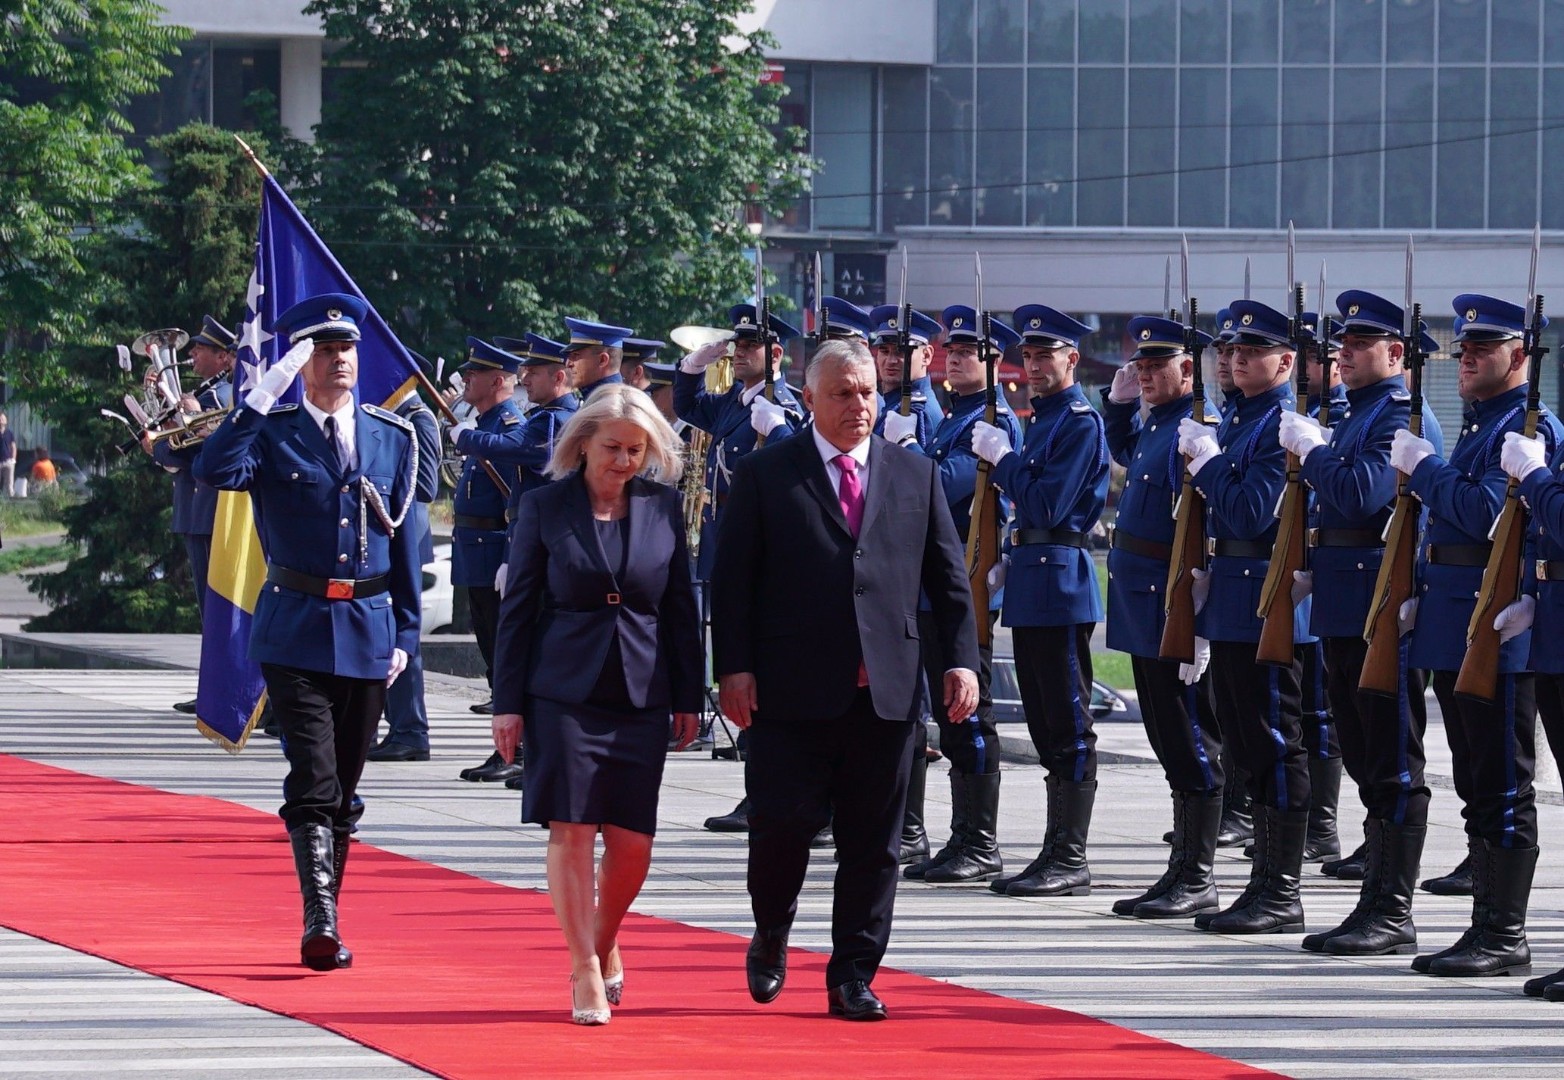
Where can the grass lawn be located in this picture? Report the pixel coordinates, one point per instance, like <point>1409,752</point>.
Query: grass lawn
<point>29,517</point>
<point>1110,666</point>
<point>30,558</point>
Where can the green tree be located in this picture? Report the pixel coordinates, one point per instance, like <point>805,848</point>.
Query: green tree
<point>191,256</point>
<point>486,168</point>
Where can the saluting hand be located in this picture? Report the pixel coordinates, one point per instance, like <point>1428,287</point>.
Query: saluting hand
<point>279,377</point>
<point>703,357</point>
<point>507,735</point>
<point>1126,385</point>
<point>736,697</point>
<point>961,694</point>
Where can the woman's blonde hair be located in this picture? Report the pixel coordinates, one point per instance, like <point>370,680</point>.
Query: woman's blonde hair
<point>617,401</point>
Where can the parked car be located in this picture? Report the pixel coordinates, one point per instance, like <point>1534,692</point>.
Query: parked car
<point>1106,704</point>
<point>439,595</point>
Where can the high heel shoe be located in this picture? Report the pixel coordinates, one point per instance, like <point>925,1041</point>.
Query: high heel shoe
<point>587,1017</point>
<point>614,987</point>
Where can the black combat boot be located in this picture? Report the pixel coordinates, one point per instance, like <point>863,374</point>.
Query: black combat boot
<point>1193,890</point>
<point>1457,882</point>
<point>1324,793</point>
<point>1237,808</point>
<point>1050,836</point>
<point>1351,868</point>
<point>1423,962</point>
<point>735,820</point>
<point>960,826</point>
<point>1384,924</point>
<point>914,837</point>
<point>978,860</point>
<point>1175,837</point>
<point>1064,872</point>
<point>321,948</point>
<point>1372,854</point>
<point>1503,876</point>
<point>1270,905</point>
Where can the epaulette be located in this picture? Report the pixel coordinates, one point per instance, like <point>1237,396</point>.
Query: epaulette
<point>1081,407</point>
<point>510,419</point>
<point>919,399</point>
<point>276,410</point>
<point>389,417</point>
<point>1400,395</point>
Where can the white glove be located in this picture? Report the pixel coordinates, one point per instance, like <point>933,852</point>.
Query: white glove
<point>1302,586</point>
<point>989,442</point>
<point>398,665</point>
<point>1196,442</point>
<point>1328,434</point>
<point>499,579</point>
<point>899,428</point>
<point>1516,618</point>
<point>1301,434</point>
<point>703,357</point>
<point>1407,451</point>
<point>454,432</point>
<point>997,574</point>
<point>1406,617</point>
<point>766,416</point>
<point>1200,591</point>
<point>279,377</point>
<point>1189,674</point>
<point>1126,385</point>
<point>1521,456</point>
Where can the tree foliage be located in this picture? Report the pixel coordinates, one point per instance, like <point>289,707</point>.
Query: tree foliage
<point>487,168</point>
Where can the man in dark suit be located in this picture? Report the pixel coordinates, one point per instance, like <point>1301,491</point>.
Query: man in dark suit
<point>863,526</point>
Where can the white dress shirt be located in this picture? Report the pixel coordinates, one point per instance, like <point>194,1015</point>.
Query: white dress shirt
<point>347,430</point>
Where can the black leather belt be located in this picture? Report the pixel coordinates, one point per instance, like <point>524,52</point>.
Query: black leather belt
<point>1065,537</point>
<point>1241,549</point>
<point>1550,569</point>
<point>483,524</point>
<point>330,588</point>
<point>1459,554</point>
<point>1346,538</point>
<point>1151,549</point>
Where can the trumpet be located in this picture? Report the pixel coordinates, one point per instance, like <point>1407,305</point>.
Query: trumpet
<point>719,380</point>
<point>192,430</point>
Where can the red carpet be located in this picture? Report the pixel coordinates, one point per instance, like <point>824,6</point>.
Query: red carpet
<point>466,978</point>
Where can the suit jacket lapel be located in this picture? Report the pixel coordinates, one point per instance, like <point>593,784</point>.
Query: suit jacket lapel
<point>578,508</point>
<point>807,457</point>
<point>641,503</point>
<point>874,498</point>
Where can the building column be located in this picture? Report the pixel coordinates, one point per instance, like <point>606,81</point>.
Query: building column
<point>300,99</point>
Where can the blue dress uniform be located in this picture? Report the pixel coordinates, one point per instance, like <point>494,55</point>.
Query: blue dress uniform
<point>1493,744</point>
<point>924,405</point>
<point>478,534</point>
<point>1257,704</point>
<point>592,335</point>
<point>195,503</point>
<point>1057,482</point>
<point>725,417</point>
<point>342,593</point>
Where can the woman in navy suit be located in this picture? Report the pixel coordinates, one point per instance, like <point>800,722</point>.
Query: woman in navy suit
<point>598,642</point>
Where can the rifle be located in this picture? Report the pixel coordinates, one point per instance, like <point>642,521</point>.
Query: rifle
<point>818,335</point>
<point>1189,533</point>
<point>767,338</point>
<point>904,340</point>
<point>1290,552</point>
<point>1479,675</point>
<point>983,527</point>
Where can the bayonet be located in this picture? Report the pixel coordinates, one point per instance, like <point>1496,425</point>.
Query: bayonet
<point>904,340</point>
<point>1407,329</point>
<point>1536,249</point>
<point>1167,285</point>
<point>1290,250</point>
<point>977,263</point>
<point>1247,282</point>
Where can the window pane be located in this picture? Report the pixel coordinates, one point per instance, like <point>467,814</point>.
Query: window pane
<point>1151,147</point>
<point>1512,158</point>
<point>1000,31</point>
<point>183,96</point>
<point>1203,32</point>
<point>903,133</point>
<point>1553,33</point>
<point>1409,31</point>
<point>1252,187</point>
<point>953,25</point>
<point>1255,30</point>
<point>1102,32</point>
<point>1553,149</point>
<point>844,145</point>
<point>1462,107</point>
<point>1152,28</point>
<point>1305,137</point>
<point>1359,24</point>
<point>1306,31</point>
<point>1202,102</point>
<point>794,113</point>
<point>1463,29</point>
<point>1355,180</point>
<point>950,146</point>
<point>236,74</point>
<point>1051,31</point>
<point>1515,30</point>
<point>1409,152</point>
<point>1100,199</point>
<point>1050,146</point>
<point>1000,144</point>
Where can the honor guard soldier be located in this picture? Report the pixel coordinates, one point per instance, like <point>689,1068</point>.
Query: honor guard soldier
<point>1222,345</point>
<point>1175,698</point>
<point>478,529</point>
<point>1057,482</point>
<point>1493,744</point>
<point>1380,736</point>
<point>659,384</point>
<point>924,413</point>
<point>212,353</point>
<point>972,852</point>
<point>1240,471</point>
<point>338,615</point>
<point>637,354</point>
<point>594,353</point>
<point>844,320</point>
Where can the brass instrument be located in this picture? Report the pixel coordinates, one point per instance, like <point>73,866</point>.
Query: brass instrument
<point>719,380</point>
<point>191,430</point>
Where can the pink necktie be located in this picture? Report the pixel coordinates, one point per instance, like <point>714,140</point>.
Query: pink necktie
<point>850,493</point>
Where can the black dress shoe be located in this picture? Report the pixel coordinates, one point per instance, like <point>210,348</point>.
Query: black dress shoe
<point>489,762</point>
<point>514,783</point>
<point>735,820</point>
<point>765,965</point>
<point>824,838</point>
<point>495,770</point>
<point>187,707</point>
<point>485,707</point>
<point>391,751</point>
<point>855,1001</point>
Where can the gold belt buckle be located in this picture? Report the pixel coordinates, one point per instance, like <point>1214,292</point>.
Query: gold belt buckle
<point>1542,569</point>
<point>1314,537</point>
<point>339,588</point>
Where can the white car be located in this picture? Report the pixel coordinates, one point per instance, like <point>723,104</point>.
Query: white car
<point>439,594</point>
